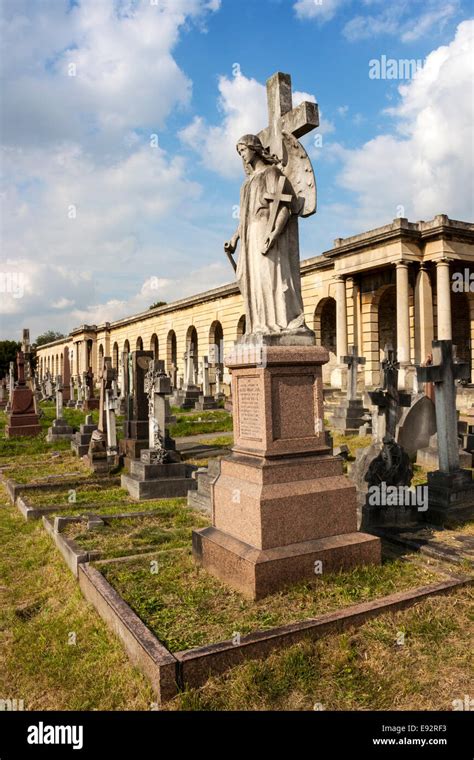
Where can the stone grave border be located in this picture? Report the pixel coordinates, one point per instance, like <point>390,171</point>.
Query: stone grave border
<point>170,673</point>
<point>73,554</point>
<point>34,512</point>
<point>441,552</point>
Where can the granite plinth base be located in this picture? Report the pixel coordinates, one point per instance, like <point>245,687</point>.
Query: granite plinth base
<point>157,481</point>
<point>450,497</point>
<point>281,501</point>
<point>255,573</point>
<point>22,425</point>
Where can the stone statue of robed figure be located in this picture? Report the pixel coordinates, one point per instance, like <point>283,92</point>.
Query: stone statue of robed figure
<point>280,187</point>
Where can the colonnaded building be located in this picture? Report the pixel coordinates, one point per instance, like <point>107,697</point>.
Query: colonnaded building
<point>404,283</point>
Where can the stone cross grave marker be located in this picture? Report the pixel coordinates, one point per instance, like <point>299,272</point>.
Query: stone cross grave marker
<point>443,373</point>
<point>352,361</point>
<point>389,399</point>
<point>59,397</point>
<point>206,387</point>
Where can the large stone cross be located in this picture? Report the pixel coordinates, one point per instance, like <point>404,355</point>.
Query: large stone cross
<point>389,399</point>
<point>443,373</point>
<point>352,361</point>
<point>282,117</point>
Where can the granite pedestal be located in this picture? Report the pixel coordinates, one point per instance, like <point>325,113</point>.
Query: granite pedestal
<point>281,502</point>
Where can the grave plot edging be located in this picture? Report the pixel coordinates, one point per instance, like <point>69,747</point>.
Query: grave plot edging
<point>143,648</point>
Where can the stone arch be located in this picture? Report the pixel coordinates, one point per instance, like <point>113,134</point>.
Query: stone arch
<point>387,318</point>
<point>126,347</point>
<point>216,343</point>
<point>171,350</point>
<point>115,356</point>
<point>192,344</point>
<point>462,307</point>
<point>101,354</point>
<point>154,345</point>
<point>139,344</point>
<point>325,330</point>
<point>241,325</point>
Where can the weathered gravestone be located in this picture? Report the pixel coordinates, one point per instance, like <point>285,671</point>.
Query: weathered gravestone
<point>191,390</point>
<point>11,385</point>
<point>22,420</point>
<point>81,440</point>
<point>159,473</point>
<point>135,426</point>
<point>3,393</point>
<point>59,430</point>
<point>91,402</point>
<point>450,488</point>
<point>349,415</point>
<point>103,451</point>
<point>281,505</point>
<point>384,461</point>
<point>205,400</point>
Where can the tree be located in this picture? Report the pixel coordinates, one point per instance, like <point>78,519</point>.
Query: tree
<point>48,337</point>
<point>8,350</point>
<point>158,303</point>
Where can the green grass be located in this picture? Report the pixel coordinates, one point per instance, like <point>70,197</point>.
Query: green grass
<point>40,606</point>
<point>187,607</point>
<point>363,669</point>
<point>215,421</point>
<point>169,529</point>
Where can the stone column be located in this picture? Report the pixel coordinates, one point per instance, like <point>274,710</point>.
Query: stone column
<point>339,374</point>
<point>443,287</point>
<point>403,313</point>
<point>424,330</point>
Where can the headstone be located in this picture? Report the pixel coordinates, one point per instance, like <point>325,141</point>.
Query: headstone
<point>348,416</point>
<point>91,402</point>
<point>384,461</point>
<point>100,458</point>
<point>3,393</point>
<point>135,425</point>
<point>81,440</point>
<point>11,385</point>
<point>200,498</point>
<point>159,473</point>
<point>22,420</point>
<point>191,391</point>
<point>59,430</point>
<point>450,488</point>
<point>205,401</point>
<point>389,400</point>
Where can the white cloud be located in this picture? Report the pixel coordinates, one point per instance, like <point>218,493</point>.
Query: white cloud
<point>82,143</point>
<point>407,19</point>
<point>427,166</point>
<point>243,104</point>
<point>323,11</point>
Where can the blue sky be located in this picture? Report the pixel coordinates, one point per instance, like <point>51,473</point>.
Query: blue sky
<point>98,222</point>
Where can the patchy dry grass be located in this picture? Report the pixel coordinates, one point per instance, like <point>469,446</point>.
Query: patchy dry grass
<point>169,528</point>
<point>187,607</point>
<point>360,670</point>
<point>40,606</point>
